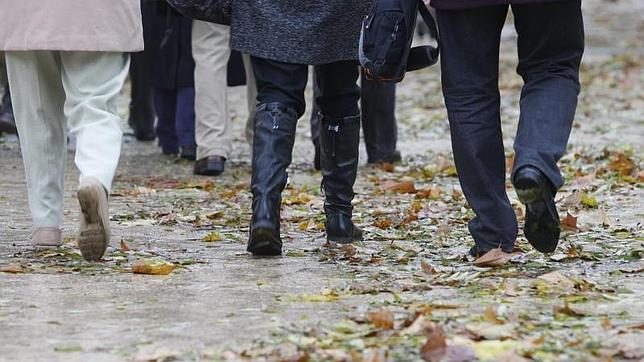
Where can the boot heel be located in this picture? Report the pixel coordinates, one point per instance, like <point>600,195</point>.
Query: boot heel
<point>264,241</point>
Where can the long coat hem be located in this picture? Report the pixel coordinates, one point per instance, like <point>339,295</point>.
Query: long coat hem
<point>468,4</point>
<point>291,57</point>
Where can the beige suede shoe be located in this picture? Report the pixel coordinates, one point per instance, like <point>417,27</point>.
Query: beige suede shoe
<point>94,231</point>
<point>47,237</point>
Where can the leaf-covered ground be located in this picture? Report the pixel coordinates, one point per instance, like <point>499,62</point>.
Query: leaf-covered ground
<point>408,292</point>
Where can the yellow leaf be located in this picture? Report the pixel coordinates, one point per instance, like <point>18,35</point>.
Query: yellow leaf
<point>153,266</point>
<point>212,237</point>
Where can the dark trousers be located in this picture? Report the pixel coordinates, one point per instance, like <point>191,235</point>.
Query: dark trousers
<point>175,110</point>
<point>379,127</point>
<point>550,47</point>
<point>5,104</point>
<point>285,83</point>
<point>141,103</point>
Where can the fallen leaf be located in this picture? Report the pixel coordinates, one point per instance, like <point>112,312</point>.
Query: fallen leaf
<point>402,187</point>
<point>435,347</point>
<point>382,223</point>
<point>493,258</point>
<point>557,279</point>
<point>382,318</point>
<point>569,222</point>
<point>433,192</point>
<point>315,298</point>
<point>588,201</point>
<point>212,237</point>
<point>621,163</point>
<point>567,310</point>
<point>124,248</point>
<point>491,316</point>
<point>427,268</point>
<point>153,266</point>
<point>12,268</point>
<point>386,166</point>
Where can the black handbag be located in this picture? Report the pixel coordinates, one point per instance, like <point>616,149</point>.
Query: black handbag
<point>385,50</point>
<point>214,11</point>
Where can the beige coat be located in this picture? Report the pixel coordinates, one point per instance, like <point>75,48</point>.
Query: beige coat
<point>84,25</point>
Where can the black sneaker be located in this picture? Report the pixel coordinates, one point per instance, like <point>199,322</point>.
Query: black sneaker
<point>542,226</point>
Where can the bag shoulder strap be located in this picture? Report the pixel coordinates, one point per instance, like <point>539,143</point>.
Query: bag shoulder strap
<point>424,55</point>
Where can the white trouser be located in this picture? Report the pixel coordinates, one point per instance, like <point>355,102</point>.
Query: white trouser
<point>211,50</point>
<point>56,92</point>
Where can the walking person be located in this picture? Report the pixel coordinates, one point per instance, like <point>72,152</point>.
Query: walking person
<point>379,126</point>
<point>168,37</point>
<point>550,48</point>
<point>7,121</point>
<point>66,66</point>
<point>283,38</point>
<point>211,51</point>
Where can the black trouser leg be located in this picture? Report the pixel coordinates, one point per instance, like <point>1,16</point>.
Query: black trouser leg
<point>469,62</point>
<point>315,125</point>
<point>281,102</point>
<point>378,105</point>
<point>7,121</point>
<point>339,141</point>
<point>141,117</point>
<point>551,44</point>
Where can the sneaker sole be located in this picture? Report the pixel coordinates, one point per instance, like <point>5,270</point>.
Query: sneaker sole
<point>94,236</point>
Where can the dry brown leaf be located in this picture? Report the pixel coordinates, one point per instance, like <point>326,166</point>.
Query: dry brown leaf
<point>493,258</point>
<point>491,316</point>
<point>557,279</point>
<point>386,166</point>
<point>569,222</point>
<point>402,187</point>
<point>427,268</point>
<point>434,192</point>
<point>382,318</point>
<point>12,268</point>
<point>435,347</point>
<point>154,266</point>
<point>567,310</point>
<point>382,223</point>
<point>124,248</point>
<point>621,163</point>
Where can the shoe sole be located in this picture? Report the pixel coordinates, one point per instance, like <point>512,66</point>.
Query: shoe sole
<point>264,242</point>
<point>94,235</point>
<point>541,228</point>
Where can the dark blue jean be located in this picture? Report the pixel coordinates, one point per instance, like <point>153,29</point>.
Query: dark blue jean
<point>550,47</point>
<point>175,109</point>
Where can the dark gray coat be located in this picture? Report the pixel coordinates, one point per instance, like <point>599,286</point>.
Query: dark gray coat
<point>465,4</point>
<point>298,31</point>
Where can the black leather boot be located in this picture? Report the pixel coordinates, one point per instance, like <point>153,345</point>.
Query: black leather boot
<point>339,140</point>
<point>272,151</point>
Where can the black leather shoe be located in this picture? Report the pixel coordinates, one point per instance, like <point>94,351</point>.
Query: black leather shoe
<point>210,166</point>
<point>189,153</point>
<point>7,124</point>
<point>273,141</point>
<point>542,226</point>
<point>339,140</point>
<point>142,123</point>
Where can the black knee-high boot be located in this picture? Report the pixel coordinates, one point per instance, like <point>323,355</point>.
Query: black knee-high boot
<point>339,140</point>
<point>272,151</point>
